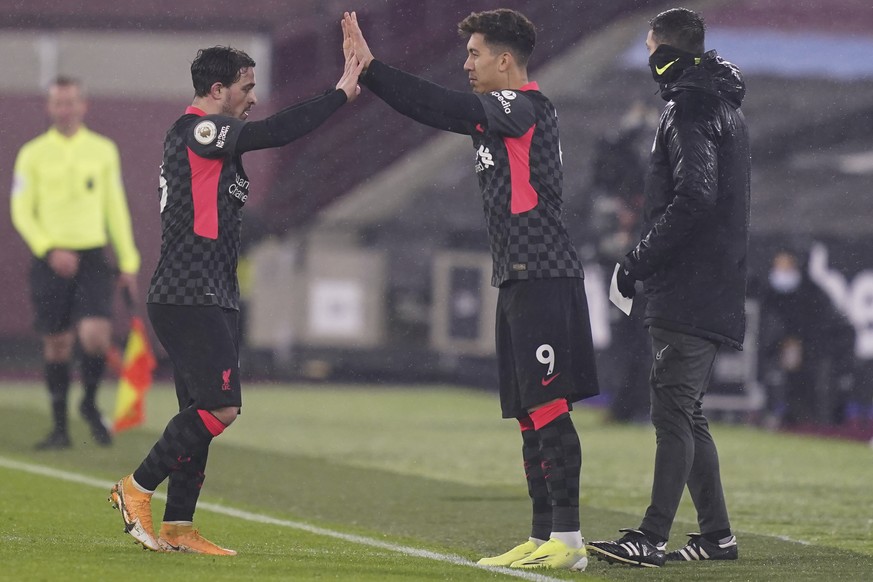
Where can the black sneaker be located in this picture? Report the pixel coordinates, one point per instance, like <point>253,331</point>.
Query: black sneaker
<point>634,549</point>
<point>700,548</point>
<point>56,440</point>
<point>99,430</point>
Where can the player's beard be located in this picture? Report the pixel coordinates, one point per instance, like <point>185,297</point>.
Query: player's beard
<point>227,108</point>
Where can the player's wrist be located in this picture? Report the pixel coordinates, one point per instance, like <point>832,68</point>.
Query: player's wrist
<point>366,72</point>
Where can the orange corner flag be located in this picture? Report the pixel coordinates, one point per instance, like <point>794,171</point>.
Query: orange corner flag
<point>135,378</point>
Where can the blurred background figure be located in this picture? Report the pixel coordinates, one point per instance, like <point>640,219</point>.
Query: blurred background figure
<point>619,167</point>
<point>807,348</point>
<point>68,202</point>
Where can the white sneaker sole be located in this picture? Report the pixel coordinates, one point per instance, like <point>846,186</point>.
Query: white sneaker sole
<point>134,528</point>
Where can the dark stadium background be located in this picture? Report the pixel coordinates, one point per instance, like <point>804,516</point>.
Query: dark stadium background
<point>390,207</point>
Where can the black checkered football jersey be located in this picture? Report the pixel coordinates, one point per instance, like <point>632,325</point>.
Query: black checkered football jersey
<point>203,187</point>
<point>518,162</point>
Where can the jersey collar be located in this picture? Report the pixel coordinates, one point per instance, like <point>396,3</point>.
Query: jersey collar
<point>195,110</point>
<point>57,135</point>
<point>532,86</point>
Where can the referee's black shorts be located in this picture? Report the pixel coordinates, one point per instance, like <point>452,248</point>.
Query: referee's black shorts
<point>203,344</point>
<point>59,303</point>
<point>544,346</point>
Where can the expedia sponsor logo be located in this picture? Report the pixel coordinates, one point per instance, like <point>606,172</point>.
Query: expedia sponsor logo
<point>222,135</point>
<point>239,189</point>
<point>205,132</point>
<point>505,98</point>
<point>484,159</point>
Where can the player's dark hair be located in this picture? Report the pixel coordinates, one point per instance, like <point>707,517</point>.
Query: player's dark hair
<point>680,28</point>
<point>504,28</point>
<point>218,64</point>
<point>66,81</point>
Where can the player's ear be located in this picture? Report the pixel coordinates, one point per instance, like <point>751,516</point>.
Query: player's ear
<point>215,90</point>
<point>506,60</point>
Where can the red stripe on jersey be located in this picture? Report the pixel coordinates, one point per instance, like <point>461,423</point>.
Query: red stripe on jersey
<point>205,173</point>
<point>523,197</point>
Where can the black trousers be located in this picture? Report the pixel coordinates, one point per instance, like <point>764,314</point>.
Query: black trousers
<point>686,453</point>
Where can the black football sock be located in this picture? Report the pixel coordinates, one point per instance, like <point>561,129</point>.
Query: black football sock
<point>57,376</point>
<point>185,436</point>
<point>92,368</point>
<point>562,464</point>
<point>183,489</point>
<point>541,521</point>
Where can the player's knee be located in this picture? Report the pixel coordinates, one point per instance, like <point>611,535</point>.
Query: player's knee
<point>526,424</point>
<point>95,335</point>
<point>227,414</point>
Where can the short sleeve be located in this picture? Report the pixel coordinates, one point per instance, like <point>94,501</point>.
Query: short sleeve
<point>214,136</point>
<point>509,113</point>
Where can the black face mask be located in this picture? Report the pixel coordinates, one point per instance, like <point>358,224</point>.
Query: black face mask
<point>668,62</point>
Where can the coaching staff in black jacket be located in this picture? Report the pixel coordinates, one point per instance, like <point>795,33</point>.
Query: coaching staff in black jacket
<point>692,261</point>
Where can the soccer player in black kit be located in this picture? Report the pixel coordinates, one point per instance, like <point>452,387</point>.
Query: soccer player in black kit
<point>544,348</point>
<point>193,299</point>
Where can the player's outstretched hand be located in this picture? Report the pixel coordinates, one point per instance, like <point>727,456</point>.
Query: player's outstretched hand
<point>348,83</point>
<point>348,46</point>
<point>358,43</point>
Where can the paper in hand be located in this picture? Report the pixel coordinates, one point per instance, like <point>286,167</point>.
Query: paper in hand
<point>615,295</point>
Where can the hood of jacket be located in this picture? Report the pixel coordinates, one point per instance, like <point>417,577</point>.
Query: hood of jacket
<point>713,75</point>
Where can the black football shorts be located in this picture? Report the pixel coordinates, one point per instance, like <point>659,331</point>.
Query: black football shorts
<point>59,303</point>
<point>203,344</point>
<point>544,346</point>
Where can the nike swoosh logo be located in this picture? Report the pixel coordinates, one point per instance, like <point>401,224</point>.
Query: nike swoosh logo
<point>547,381</point>
<point>660,70</point>
<point>661,352</point>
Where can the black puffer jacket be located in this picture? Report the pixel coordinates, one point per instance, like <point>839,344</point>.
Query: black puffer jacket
<point>692,258</point>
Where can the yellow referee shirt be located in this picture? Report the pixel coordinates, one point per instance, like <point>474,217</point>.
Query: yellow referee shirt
<point>67,193</point>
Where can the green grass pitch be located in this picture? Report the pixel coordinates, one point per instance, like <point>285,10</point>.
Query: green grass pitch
<point>401,483</point>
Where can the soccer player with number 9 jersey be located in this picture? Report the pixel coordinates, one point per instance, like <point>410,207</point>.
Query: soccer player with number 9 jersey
<point>544,347</point>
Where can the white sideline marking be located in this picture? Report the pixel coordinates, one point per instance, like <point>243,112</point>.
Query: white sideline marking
<point>257,518</point>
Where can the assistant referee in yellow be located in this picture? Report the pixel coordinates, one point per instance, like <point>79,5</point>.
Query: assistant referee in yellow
<point>68,202</point>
